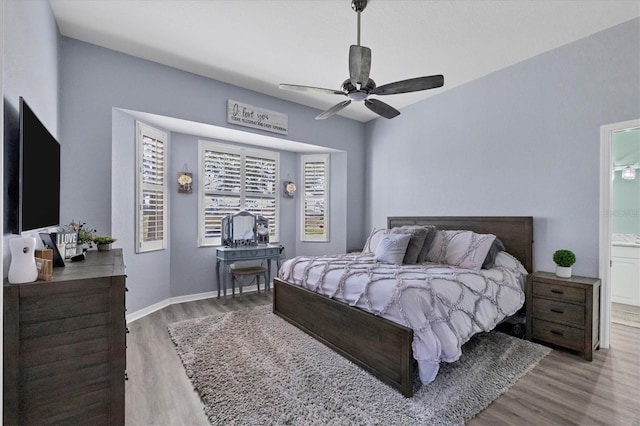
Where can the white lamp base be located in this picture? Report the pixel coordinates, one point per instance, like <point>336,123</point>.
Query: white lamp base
<point>23,263</point>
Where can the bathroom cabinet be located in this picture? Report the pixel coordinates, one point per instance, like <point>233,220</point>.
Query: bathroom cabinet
<point>625,275</point>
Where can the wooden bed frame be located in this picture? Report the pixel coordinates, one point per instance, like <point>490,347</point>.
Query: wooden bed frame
<point>376,344</point>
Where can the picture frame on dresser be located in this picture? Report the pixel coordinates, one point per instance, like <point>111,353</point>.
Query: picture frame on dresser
<point>49,241</point>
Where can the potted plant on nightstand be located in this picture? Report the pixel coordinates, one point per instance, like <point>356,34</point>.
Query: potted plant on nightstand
<point>564,259</point>
<point>103,242</point>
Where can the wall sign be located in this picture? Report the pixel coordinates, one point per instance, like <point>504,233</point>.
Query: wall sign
<point>258,118</point>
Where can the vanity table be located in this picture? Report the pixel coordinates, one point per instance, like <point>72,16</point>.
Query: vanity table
<point>225,256</point>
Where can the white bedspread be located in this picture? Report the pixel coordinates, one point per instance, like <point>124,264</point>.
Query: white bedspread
<point>443,305</point>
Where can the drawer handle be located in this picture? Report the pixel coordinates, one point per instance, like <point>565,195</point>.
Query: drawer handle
<point>557,291</point>
<point>557,311</point>
<point>559,333</point>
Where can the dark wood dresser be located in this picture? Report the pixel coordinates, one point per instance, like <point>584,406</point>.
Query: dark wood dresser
<point>564,311</point>
<point>64,345</point>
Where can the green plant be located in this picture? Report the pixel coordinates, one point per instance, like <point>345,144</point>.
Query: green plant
<point>104,239</point>
<point>85,235</point>
<point>564,258</point>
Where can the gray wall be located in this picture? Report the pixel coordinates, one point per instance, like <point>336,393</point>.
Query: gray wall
<point>521,141</point>
<point>99,140</point>
<point>30,69</point>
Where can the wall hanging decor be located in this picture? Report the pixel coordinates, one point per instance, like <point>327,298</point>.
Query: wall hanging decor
<point>289,189</point>
<point>185,181</point>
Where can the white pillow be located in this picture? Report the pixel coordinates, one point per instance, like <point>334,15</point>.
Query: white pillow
<point>464,249</point>
<point>373,240</point>
<point>392,247</point>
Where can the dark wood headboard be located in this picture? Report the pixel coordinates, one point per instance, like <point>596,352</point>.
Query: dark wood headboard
<point>515,232</point>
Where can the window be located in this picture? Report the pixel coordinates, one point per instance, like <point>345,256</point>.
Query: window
<point>234,179</point>
<point>315,197</point>
<point>151,189</point>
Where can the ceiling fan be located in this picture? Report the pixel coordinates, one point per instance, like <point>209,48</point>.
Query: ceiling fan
<point>358,87</point>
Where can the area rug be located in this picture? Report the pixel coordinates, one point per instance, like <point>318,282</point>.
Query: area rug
<point>250,367</point>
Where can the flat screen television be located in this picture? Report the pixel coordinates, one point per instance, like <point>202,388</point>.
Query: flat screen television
<point>39,174</point>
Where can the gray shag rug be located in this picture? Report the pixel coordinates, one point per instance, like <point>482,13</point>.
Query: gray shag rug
<point>251,367</point>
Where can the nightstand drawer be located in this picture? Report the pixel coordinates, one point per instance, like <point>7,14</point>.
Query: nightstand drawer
<point>558,292</point>
<point>556,311</point>
<point>561,335</point>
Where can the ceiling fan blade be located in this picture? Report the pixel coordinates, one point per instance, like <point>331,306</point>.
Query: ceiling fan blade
<point>337,107</point>
<point>359,64</point>
<point>380,108</point>
<point>296,88</point>
<point>410,85</point>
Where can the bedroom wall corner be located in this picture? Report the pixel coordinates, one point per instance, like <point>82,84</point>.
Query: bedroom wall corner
<point>522,141</point>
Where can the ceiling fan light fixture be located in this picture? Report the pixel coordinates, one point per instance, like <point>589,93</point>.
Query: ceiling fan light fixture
<point>358,87</point>
<point>629,173</point>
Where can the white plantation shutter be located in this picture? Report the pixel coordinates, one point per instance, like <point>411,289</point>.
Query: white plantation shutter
<point>315,196</point>
<point>260,190</point>
<point>151,185</point>
<point>233,180</point>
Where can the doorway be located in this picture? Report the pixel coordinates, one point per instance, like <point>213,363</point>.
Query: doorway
<point>608,134</point>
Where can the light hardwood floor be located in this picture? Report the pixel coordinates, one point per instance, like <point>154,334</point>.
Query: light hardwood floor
<point>562,390</point>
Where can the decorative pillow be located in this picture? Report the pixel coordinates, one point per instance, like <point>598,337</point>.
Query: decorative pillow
<point>392,247</point>
<point>372,241</point>
<point>496,247</point>
<point>418,235</point>
<point>464,249</point>
<point>431,235</point>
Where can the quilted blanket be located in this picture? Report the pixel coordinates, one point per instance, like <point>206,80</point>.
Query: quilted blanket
<point>444,305</point>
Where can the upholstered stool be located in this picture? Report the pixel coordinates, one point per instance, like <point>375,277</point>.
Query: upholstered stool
<point>252,270</point>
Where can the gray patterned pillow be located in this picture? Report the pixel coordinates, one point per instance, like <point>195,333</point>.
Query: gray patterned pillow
<point>392,247</point>
<point>416,242</point>
<point>431,235</point>
<point>464,249</point>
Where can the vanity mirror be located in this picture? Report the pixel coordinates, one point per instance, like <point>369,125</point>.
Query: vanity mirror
<point>239,230</point>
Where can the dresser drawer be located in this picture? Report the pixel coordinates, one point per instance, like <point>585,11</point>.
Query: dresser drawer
<point>273,251</point>
<point>556,311</point>
<point>558,334</point>
<point>558,292</point>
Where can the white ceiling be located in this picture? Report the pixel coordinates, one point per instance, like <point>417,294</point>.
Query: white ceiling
<point>258,44</point>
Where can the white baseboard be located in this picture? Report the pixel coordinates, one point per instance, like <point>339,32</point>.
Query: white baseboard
<point>181,299</point>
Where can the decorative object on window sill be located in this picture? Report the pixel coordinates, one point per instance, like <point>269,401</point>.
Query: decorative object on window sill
<point>185,181</point>
<point>628,173</point>
<point>289,189</point>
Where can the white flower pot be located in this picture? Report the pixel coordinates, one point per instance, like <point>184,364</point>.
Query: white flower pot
<point>563,272</point>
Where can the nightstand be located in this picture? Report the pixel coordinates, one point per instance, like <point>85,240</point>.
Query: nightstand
<point>564,311</point>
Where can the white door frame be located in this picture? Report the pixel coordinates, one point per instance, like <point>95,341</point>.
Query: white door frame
<point>604,269</point>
